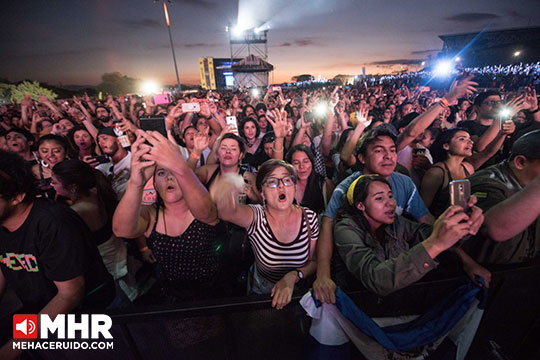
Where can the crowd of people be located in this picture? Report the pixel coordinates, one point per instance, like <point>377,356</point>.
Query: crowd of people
<point>344,187</point>
<point>510,76</point>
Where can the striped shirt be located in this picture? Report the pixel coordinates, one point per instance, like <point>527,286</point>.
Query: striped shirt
<point>274,259</point>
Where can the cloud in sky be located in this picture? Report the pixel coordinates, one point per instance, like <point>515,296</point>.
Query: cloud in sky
<point>397,62</point>
<point>472,17</point>
<point>145,23</point>
<point>299,43</point>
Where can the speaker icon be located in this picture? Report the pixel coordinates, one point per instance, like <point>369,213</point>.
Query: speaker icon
<point>25,326</point>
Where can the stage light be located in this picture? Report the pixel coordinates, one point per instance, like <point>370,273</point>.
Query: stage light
<point>444,68</point>
<point>517,53</point>
<point>423,63</point>
<point>261,28</point>
<point>237,31</point>
<point>458,58</point>
<point>149,87</point>
<point>255,92</point>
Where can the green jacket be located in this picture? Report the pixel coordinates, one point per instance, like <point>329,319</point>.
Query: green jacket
<point>389,265</point>
<point>491,186</point>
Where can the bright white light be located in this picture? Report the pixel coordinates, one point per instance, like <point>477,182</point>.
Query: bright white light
<point>444,68</point>
<point>458,58</point>
<point>255,92</point>
<point>423,63</point>
<point>263,27</point>
<point>517,53</point>
<point>320,109</point>
<point>149,87</point>
<point>505,113</point>
<point>237,31</point>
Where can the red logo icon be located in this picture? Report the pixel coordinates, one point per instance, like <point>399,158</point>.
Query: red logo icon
<point>25,326</point>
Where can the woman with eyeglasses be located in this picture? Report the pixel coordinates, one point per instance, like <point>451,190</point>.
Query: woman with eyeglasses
<point>282,235</point>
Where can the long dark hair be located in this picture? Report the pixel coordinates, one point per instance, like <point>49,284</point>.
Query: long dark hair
<point>71,139</point>
<point>437,151</point>
<point>60,140</point>
<point>84,178</point>
<point>314,183</point>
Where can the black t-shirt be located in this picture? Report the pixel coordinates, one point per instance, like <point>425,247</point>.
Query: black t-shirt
<point>473,127</point>
<point>53,244</point>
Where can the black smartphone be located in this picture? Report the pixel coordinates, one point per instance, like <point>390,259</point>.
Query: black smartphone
<point>155,123</point>
<point>102,159</point>
<point>460,192</point>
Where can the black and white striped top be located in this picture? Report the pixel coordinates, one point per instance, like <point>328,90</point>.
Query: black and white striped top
<point>274,259</point>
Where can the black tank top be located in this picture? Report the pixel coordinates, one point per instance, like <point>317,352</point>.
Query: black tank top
<point>190,259</point>
<point>441,200</point>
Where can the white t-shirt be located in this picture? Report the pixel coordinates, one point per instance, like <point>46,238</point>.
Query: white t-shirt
<point>120,174</point>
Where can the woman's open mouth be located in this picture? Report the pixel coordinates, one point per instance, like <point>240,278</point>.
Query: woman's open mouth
<point>282,197</point>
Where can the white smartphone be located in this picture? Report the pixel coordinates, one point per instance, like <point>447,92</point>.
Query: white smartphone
<point>191,107</point>
<point>231,120</point>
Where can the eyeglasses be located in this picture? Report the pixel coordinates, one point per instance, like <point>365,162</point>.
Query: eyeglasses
<point>493,102</point>
<point>273,182</point>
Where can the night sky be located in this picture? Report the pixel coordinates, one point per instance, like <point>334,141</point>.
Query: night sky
<point>76,41</point>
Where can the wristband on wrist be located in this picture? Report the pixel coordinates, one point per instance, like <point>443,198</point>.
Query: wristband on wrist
<point>444,102</point>
<point>274,149</point>
<point>143,249</point>
<point>194,156</point>
<point>534,111</point>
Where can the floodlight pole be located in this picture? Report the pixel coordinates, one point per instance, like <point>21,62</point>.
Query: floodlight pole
<point>172,46</point>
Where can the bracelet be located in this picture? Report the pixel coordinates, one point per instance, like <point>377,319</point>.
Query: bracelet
<point>194,156</point>
<point>534,111</point>
<point>143,249</point>
<point>274,149</point>
<point>444,102</point>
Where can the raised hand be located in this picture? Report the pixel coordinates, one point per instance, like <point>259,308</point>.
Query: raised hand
<point>141,169</point>
<point>76,101</point>
<point>162,151</point>
<point>279,123</point>
<point>200,142</point>
<point>461,88</point>
<point>205,110</point>
<point>516,105</point>
<point>531,101</point>
<point>86,98</point>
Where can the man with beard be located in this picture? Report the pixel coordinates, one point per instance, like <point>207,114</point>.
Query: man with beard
<point>103,115</point>
<point>19,141</point>
<point>118,169</point>
<point>47,255</point>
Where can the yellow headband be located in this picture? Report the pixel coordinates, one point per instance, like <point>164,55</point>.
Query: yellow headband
<point>350,191</point>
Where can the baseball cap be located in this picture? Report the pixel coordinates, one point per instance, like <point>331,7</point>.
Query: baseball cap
<point>106,130</point>
<point>527,145</point>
